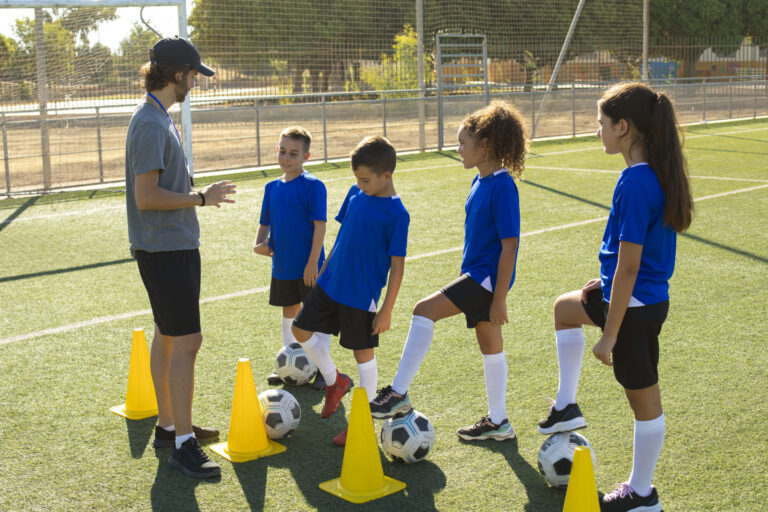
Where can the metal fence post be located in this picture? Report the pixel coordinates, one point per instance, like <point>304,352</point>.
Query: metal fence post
<point>384,112</point>
<point>704,106</point>
<point>573,108</point>
<point>258,133</point>
<point>5,159</point>
<point>533,114</point>
<point>754,86</point>
<point>325,133</point>
<point>98,146</point>
<point>730,98</point>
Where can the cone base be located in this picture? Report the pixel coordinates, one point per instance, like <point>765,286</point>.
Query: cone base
<point>272,448</point>
<point>390,486</point>
<point>120,410</point>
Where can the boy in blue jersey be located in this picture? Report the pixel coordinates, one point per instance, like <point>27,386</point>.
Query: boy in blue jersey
<point>371,244</point>
<point>291,231</point>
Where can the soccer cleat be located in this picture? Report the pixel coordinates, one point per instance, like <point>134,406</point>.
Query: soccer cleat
<point>389,404</point>
<point>567,420</point>
<point>341,439</point>
<point>485,429</point>
<point>625,499</point>
<point>191,460</point>
<point>334,393</point>
<point>166,439</point>
<point>274,379</point>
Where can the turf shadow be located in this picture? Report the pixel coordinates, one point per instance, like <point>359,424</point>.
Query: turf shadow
<point>139,433</point>
<point>64,270</point>
<point>172,490</point>
<point>13,216</point>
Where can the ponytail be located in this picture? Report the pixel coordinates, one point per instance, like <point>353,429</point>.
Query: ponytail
<point>653,116</point>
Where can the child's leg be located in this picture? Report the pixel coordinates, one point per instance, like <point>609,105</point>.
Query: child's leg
<point>289,313</point>
<point>428,311</point>
<point>495,366</point>
<point>368,371</point>
<point>314,344</point>
<point>649,436</point>
<point>569,317</point>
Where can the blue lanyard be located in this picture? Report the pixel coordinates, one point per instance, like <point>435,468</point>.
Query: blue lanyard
<point>186,164</point>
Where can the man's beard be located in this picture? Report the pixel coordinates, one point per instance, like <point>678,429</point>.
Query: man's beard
<point>181,91</point>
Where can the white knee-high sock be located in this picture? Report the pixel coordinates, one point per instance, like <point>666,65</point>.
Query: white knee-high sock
<point>320,354</point>
<point>496,385</point>
<point>649,437</point>
<point>287,333</point>
<point>416,347</point>
<point>369,377</point>
<point>570,352</point>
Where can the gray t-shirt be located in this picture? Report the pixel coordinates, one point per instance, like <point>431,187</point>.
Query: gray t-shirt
<point>152,144</point>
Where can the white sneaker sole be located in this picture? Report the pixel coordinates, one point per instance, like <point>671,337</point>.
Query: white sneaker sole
<point>495,437</point>
<point>565,426</point>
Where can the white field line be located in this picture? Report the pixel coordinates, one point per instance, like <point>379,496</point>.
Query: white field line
<point>606,171</point>
<point>242,293</point>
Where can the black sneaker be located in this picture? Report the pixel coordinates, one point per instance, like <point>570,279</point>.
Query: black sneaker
<point>485,429</point>
<point>274,379</point>
<point>624,499</point>
<point>166,439</point>
<point>567,420</point>
<point>191,460</point>
<point>389,404</point>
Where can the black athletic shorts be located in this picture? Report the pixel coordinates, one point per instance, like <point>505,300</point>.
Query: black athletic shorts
<point>287,292</point>
<point>172,280</point>
<point>636,353</point>
<point>471,298</point>
<point>320,313</point>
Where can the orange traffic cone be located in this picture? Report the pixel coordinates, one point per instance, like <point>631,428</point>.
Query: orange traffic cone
<point>247,436</point>
<point>362,478</point>
<point>140,400</point>
<point>581,495</point>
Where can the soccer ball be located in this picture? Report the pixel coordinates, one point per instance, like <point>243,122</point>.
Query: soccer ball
<point>556,457</point>
<point>281,412</point>
<point>407,438</point>
<point>293,366</point>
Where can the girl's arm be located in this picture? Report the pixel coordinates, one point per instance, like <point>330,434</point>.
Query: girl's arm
<point>383,318</point>
<point>261,244</point>
<point>498,314</point>
<point>310,270</point>
<point>623,283</point>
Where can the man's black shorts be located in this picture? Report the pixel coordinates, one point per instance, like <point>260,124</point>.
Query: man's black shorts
<point>287,292</point>
<point>321,313</point>
<point>172,280</point>
<point>471,298</point>
<point>636,353</point>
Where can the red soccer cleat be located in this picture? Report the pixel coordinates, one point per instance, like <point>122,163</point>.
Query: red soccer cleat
<point>334,393</point>
<point>341,439</point>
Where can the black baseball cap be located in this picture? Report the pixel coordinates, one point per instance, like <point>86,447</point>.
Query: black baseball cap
<point>175,50</point>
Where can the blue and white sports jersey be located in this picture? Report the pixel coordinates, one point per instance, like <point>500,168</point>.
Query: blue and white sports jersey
<point>493,213</point>
<point>290,208</point>
<point>373,229</point>
<point>637,216</point>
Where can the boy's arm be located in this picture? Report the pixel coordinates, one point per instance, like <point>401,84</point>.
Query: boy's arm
<point>498,313</point>
<point>383,318</point>
<point>310,270</point>
<point>261,244</point>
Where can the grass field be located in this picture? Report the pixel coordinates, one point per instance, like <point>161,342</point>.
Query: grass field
<point>70,296</point>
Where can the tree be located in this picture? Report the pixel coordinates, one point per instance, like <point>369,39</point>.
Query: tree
<point>399,69</point>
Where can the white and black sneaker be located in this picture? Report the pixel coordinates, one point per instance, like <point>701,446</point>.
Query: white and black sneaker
<point>567,420</point>
<point>389,404</point>
<point>625,499</point>
<point>485,429</point>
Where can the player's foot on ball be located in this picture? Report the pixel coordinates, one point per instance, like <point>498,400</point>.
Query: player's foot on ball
<point>485,429</point>
<point>274,379</point>
<point>319,382</point>
<point>191,460</point>
<point>341,439</point>
<point>567,420</point>
<point>389,404</point>
<point>625,499</point>
<point>334,393</point>
<point>166,439</point>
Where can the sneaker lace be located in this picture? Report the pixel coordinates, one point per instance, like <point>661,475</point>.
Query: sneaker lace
<point>622,490</point>
<point>383,395</point>
<point>484,420</point>
<point>197,452</point>
<point>552,403</point>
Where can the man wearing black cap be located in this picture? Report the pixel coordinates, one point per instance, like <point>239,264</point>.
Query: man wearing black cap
<point>164,235</point>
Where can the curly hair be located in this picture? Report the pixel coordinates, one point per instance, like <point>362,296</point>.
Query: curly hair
<point>156,76</point>
<point>500,123</point>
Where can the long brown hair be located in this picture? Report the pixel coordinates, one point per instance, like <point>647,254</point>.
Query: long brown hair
<point>156,76</point>
<point>501,124</point>
<point>653,116</point>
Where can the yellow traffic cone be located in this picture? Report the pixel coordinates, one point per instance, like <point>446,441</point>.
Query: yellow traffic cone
<point>247,437</point>
<point>581,495</point>
<point>140,400</point>
<point>362,478</point>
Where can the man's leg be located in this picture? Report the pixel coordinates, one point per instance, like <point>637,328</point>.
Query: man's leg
<point>160,360</point>
<point>181,380</point>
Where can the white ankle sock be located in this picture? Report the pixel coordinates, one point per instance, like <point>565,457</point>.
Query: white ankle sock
<point>169,428</point>
<point>649,437</point>
<point>416,347</point>
<point>180,439</point>
<point>287,333</point>
<point>320,354</point>
<point>570,352</point>
<point>496,385</point>
<point>369,377</point>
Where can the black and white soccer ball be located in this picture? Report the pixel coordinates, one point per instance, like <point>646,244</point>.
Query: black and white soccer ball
<point>293,366</point>
<point>556,457</point>
<point>408,438</point>
<point>281,412</point>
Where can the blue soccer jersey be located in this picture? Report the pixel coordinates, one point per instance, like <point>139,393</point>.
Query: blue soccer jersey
<point>289,209</point>
<point>373,229</point>
<point>637,216</point>
<point>493,213</point>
